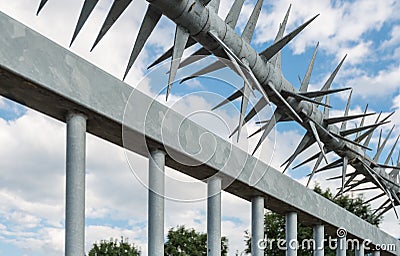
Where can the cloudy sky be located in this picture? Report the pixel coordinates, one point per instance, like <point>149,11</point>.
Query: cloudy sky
<point>32,158</point>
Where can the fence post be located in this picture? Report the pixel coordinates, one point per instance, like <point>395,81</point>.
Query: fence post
<point>360,250</point>
<point>291,234</point>
<point>75,185</point>
<point>319,233</point>
<point>341,246</point>
<point>257,225</point>
<point>156,203</point>
<point>214,216</point>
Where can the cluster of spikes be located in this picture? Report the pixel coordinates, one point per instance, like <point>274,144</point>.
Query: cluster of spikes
<point>324,132</point>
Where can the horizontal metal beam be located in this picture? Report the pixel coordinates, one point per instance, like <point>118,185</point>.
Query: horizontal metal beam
<point>40,74</point>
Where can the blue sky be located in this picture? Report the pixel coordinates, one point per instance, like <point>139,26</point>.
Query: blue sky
<point>32,209</point>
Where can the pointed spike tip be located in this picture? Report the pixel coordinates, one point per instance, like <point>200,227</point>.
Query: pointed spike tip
<point>41,5</point>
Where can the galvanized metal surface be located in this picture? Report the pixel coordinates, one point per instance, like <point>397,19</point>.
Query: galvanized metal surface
<point>319,236</point>
<point>155,220</point>
<point>56,81</point>
<point>257,225</point>
<point>75,185</point>
<point>291,234</point>
<point>214,185</point>
<point>359,251</point>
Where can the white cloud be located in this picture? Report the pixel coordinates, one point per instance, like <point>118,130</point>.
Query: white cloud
<point>384,83</point>
<point>394,38</point>
<point>35,150</point>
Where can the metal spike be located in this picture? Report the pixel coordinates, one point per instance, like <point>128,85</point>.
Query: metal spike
<point>232,97</point>
<point>251,24</point>
<point>231,20</point>
<point>355,130</point>
<point>344,171</point>
<point>305,143</point>
<point>377,182</point>
<point>283,100</point>
<point>380,149</point>
<point>205,2</point>
<point>363,119</point>
<point>307,160</point>
<point>346,111</point>
<point>41,5</point>
<point>248,75</point>
<point>328,82</point>
<point>389,166</point>
<point>350,141</point>
<point>356,184</point>
<point>391,151</point>
<point>168,53</point>
<point>257,108</point>
<point>117,8</point>
<point>262,122</point>
<point>316,136</point>
<point>150,20</point>
<point>387,208</point>
<point>340,176</point>
<point>334,164</point>
<point>334,120</point>
<point>267,128</point>
<point>196,56</point>
<point>379,141</point>
<point>317,163</point>
<point>381,206</point>
<point>352,177</point>
<point>243,106</point>
<point>374,198</point>
<point>181,38</point>
<point>276,47</point>
<point>277,59</point>
<point>364,189</point>
<point>307,76</point>
<point>87,9</point>
<point>301,97</point>
<point>368,133</point>
<point>320,94</point>
<point>217,65</point>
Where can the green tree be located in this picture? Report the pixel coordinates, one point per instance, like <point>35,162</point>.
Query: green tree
<point>274,223</point>
<point>113,247</point>
<point>187,242</point>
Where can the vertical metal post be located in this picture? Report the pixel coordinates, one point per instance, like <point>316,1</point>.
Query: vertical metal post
<point>257,225</point>
<point>360,250</point>
<point>156,203</point>
<point>319,233</point>
<point>214,216</point>
<point>341,246</point>
<point>291,234</point>
<point>75,185</point>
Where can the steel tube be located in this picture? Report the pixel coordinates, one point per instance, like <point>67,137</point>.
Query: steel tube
<point>156,203</point>
<point>291,234</point>
<point>360,250</point>
<point>214,216</point>
<point>75,185</point>
<point>257,225</point>
<point>319,233</point>
<point>341,246</point>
